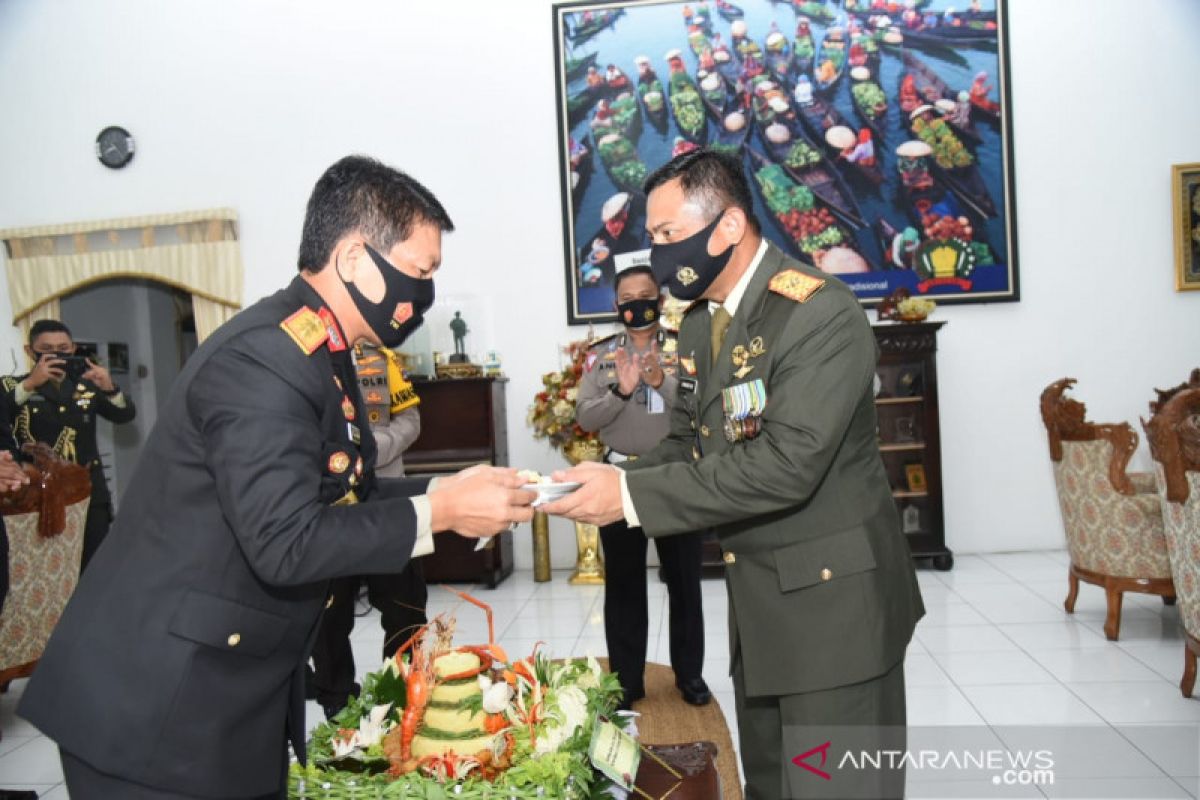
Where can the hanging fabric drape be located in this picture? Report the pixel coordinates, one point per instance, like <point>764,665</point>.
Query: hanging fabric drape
<point>196,251</point>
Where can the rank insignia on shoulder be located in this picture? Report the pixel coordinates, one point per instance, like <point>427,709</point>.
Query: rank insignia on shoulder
<point>795,285</point>
<point>306,329</point>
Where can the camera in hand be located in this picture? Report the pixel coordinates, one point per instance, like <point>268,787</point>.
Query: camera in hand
<point>73,367</point>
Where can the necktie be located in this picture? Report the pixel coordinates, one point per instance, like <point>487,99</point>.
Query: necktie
<point>720,324</point>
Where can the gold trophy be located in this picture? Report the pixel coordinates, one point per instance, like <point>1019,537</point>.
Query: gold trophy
<point>589,565</point>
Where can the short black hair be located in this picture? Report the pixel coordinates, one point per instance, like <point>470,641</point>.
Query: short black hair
<point>714,180</point>
<point>46,326</point>
<point>629,273</point>
<point>361,194</point>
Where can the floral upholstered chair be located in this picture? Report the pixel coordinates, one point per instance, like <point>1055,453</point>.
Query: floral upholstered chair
<point>1113,519</point>
<point>44,521</point>
<point>1174,435</point>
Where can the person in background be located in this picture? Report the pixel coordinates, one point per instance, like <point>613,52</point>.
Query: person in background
<point>628,390</point>
<point>399,597</point>
<point>773,442</point>
<point>57,403</point>
<point>176,670</point>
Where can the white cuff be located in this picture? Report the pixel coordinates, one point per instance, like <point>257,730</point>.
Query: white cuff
<point>424,543</point>
<point>117,399</point>
<point>21,394</point>
<point>631,517</point>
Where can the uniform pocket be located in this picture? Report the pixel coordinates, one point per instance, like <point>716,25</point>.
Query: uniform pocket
<point>822,560</point>
<point>227,625</point>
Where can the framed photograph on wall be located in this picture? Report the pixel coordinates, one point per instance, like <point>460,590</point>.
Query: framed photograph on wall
<point>877,142</point>
<point>1185,191</point>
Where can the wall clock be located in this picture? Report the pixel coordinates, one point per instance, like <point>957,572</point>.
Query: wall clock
<point>114,147</point>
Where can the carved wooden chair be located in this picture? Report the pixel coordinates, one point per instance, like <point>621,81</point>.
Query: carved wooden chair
<point>45,523</point>
<point>1174,435</point>
<point>1112,518</point>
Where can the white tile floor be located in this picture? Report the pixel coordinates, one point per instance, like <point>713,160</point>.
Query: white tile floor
<point>996,648</point>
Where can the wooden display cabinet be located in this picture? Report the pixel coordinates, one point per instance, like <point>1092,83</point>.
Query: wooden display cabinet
<point>906,402</point>
<point>463,423</point>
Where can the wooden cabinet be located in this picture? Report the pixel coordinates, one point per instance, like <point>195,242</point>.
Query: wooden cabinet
<point>463,423</point>
<point>906,402</point>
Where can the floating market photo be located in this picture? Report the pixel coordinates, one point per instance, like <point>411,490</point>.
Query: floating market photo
<point>877,135</point>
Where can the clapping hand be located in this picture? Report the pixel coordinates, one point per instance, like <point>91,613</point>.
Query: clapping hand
<point>628,372</point>
<point>652,372</point>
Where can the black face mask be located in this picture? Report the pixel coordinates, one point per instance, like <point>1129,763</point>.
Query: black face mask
<point>401,311</point>
<point>685,267</point>
<point>638,314</point>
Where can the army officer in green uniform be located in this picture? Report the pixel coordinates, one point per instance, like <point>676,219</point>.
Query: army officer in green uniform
<point>58,404</point>
<point>773,442</point>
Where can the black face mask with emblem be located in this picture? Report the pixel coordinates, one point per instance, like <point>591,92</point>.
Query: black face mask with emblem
<point>401,311</point>
<point>685,267</point>
<point>638,314</point>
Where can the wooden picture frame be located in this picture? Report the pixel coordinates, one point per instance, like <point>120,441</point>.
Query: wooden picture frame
<point>928,222</point>
<point>915,475</point>
<point>1185,204</point>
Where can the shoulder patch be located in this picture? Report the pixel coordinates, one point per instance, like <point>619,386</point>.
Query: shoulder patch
<point>795,285</point>
<point>306,329</point>
<point>603,340</point>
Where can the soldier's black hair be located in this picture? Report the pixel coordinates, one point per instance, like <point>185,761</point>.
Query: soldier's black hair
<point>713,180</point>
<point>46,326</point>
<point>361,194</point>
<point>629,273</point>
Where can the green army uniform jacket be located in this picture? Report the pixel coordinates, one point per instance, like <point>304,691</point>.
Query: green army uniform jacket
<point>822,590</point>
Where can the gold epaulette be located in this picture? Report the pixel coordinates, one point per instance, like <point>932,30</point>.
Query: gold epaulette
<point>603,340</point>
<point>795,285</point>
<point>306,329</point>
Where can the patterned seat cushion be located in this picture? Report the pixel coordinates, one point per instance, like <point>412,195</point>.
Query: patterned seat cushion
<point>1181,523</point>
<point>1108,532</point>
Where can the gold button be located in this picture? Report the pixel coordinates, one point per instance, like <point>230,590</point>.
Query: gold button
<point>704,430</point>
<point>62,409</point>
<point>234,639</point>
<point>826,574</point>
<point>693,424</point>
<point>695,454</point>
<point>729,558</point>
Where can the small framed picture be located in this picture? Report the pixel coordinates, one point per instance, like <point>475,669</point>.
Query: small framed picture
<point>911,519</point>
<point>915,475</point>
<point>1185,191</point>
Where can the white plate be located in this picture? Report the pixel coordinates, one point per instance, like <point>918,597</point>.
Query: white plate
<point>548,492</point>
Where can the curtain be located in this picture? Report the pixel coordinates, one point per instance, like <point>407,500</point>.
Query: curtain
<point>210,315</point>
<point>195,251</point>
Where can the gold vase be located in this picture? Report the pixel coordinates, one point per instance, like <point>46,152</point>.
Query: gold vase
<point>589,565</point>
<point>541,547</point>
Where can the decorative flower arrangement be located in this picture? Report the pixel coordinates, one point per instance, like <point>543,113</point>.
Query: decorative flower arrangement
<point>552,415</point>
<point>524,727</point>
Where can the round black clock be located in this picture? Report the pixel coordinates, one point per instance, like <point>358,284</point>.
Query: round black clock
<point>114,147</point>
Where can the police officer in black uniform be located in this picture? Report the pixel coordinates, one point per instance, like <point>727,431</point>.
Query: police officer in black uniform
<point>57,403</point>
<point>627,391</point>
<point>176,670</point>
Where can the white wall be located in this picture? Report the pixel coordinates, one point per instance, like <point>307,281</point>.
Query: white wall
<point>244,104</point>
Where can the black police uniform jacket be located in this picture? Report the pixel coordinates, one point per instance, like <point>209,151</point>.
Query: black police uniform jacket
<point>63,416</point>
<point>178,662</point>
